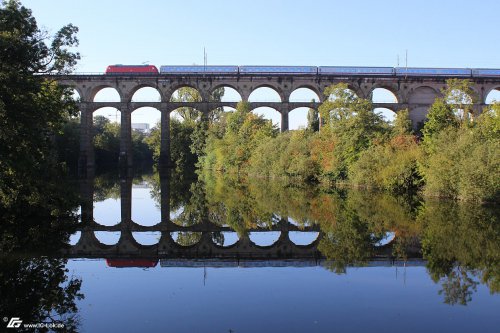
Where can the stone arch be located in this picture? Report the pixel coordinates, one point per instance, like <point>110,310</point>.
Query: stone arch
<point>278,91</point>
<point>76,94</point>
<point>112,113</point>
<point>225,85</point>
<point>146,114</point>
<point>492,95</point>
<point>269,113</point>
<point>297,118</point>
<point>303,90</point>
<point>384,94</point>
<point>356,90</point>
<point>176,113</point>
<point>388,114</point>
<point>145,93</point>
<point>99,90</point>
<point>169,94</point>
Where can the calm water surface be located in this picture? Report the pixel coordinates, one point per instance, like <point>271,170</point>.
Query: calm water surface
<point>169,254</point>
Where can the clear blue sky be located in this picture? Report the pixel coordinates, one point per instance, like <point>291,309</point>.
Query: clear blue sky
<point>436,33</point>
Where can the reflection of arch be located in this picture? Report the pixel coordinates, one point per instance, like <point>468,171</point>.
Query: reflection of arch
<point>492,95</point>
<point>230,239</point>
<point>144,87</point>
<point>277,90</point>
<point>225,85</point>
<point>303,238</point>
<point>96,90</point>
<point>108,237</point>
<point>189,238</point>
<point>146,238</point>
<point>264,239</point>
<point>384,94</point>
<point>74,238</point>
<point>303,89</point>
<point>169,94</point>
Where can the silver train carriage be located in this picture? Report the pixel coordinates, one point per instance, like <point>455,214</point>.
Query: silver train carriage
<point>340,70</point>
<point>197,69</point>
<point>448,72</point>
<point>278,70</point>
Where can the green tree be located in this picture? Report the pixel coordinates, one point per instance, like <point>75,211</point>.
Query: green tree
<point>32,109</point>
<point>313,120</point>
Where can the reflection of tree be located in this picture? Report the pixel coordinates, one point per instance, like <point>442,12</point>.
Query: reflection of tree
<point>188,238</point>
<point>39,290</point>
<point>461,242</point>
<point>106,186</point>
<point>348,240</point>
<point>458,286</point>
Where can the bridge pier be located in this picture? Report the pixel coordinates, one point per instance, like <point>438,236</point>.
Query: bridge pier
<point>125,158</point>
<point>165,138</point>
<point>284,117</point>
<point>86,158</point>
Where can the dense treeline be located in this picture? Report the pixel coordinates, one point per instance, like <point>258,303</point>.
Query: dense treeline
<point>33,187</point>
<point>454,155</point>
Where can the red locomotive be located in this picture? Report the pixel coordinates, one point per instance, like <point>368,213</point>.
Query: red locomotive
<point>131,69</point>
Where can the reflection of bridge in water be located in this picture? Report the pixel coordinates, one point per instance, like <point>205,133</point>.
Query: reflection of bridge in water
<point>206,251</point>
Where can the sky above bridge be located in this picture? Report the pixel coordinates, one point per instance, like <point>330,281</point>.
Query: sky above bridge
<point>446,33</point>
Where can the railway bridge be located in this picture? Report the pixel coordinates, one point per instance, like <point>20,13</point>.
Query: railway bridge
<point>415,93</point>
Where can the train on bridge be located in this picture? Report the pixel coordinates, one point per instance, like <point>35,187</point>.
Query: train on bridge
<point>302,70</point>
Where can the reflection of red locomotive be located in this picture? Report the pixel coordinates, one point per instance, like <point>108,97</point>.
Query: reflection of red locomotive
<point>141,263</point>
<point>131,69</point>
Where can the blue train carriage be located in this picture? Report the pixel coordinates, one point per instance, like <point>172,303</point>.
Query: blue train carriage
<point>198,69</point>
<point>306,70</point>
<point>447,72</point>
<point>342,70</point>
<point>485,72</point>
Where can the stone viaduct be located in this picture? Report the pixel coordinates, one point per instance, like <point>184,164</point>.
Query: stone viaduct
<point>412,92</point>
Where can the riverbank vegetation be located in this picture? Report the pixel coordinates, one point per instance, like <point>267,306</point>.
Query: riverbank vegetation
<point>455,154</point>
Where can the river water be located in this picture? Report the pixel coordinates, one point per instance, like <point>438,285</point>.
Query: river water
<point>172,253</point>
